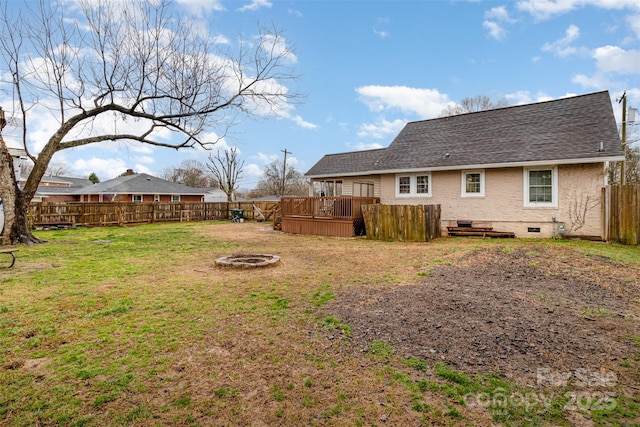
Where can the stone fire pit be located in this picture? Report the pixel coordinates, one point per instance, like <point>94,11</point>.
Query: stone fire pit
<point>248,261</point>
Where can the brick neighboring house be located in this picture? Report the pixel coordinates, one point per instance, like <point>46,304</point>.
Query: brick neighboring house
<point>139,187</point>
<point>57,188</point>
<point>524,169</point>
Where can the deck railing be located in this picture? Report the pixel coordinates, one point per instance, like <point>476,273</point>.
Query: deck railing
<point>343,208</point>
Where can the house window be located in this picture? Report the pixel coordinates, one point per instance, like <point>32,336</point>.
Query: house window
<point>404,185</point>
<point>327,188</point>
<point>541,187</point>
<point>422,184</point>
<point>136,198</point>
<point>413,185</point>
<point>473,183</point>
<point>156,198</point>
<point>363,189</point>
<point>175,198</point>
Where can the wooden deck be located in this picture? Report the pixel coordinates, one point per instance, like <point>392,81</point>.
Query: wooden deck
<point>324,216</point>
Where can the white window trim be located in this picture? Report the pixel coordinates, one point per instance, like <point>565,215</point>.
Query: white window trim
<point>156,198</point>
<point>133,198</point>
<point>463,183</point>
<point>554,187</point>
<point>175,196</point>
<point>413,189</point>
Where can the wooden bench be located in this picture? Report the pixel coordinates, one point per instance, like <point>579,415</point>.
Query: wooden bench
<point>10,252</point>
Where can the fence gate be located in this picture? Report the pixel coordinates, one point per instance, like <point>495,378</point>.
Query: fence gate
<point>622,213</point>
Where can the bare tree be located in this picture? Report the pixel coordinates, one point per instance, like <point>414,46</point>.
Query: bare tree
<point>472,105</point>
<point>57,169</point>
<point>190,172</point>
<point>227,171</point>
<point>632,159</point>
<point>127,72</point>
<point>295,183</point>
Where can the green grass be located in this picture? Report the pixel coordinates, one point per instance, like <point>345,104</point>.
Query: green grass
<point>144,330</point>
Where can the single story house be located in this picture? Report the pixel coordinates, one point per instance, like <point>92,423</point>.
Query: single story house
<point>139,187</point>
<point>534,170</point>
<point>58,188</point>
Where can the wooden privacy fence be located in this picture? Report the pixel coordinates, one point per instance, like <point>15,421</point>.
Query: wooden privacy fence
<point>119,213</point>
<point>622,213</point>
<point>417,223</point>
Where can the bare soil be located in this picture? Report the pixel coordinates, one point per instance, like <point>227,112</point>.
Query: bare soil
<point>507,311</point>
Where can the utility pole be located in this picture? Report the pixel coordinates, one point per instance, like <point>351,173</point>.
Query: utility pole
<point>284,170</point>
<point>623,99</point>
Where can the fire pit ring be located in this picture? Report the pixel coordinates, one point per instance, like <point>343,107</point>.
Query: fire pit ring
<point>248,261</point>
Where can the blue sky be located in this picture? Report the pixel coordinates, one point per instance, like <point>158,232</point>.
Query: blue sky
<point>368,67</point>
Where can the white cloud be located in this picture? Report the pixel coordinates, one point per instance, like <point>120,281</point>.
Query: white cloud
<point>221,39</point>
<point>493,19</point>
<point>611,62</point>
<point>525,97</point>
<point>562,47</point>
<point>613,59</point>
<point>597,81</point>
<point>382,129</point>
<point>361,146</point>
<point>379,30</point>
<point>266,158</point>
<point>103,167</point>
<point>545,9</point>
<point>383,34</point>
<point>495,30</point>
<point>199,7</point>
<point>499,13</point>
<point>255,5</point>
<point>252,170</point>
<point>276,46</point>
<point>424,103</point>
<point>301,122</point>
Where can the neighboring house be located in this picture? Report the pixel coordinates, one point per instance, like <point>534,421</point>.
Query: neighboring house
<point>139,187</point>
<point>58,188</point>
<point>532,169</point>
<point>214,195</point>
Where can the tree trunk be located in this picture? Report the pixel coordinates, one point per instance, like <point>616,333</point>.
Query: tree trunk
<point>7,192</point>
<point>16,206</point>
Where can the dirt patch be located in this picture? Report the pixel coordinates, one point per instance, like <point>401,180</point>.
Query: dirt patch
<point>507,311</point>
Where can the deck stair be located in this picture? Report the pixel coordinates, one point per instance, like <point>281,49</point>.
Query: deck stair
<point>465,228</point>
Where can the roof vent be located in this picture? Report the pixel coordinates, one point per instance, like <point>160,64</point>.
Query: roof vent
<point>446,156</point>
<point>601,149</point>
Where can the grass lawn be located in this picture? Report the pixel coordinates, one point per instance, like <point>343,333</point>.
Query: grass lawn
<point>137,326</point>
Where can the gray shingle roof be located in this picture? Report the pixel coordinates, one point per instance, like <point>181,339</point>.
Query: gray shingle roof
<point>559,131</point>
<point>353,162</point>
<point>139,183</point>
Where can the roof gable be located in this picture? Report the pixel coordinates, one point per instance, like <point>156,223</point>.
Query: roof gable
<point>563,130</point>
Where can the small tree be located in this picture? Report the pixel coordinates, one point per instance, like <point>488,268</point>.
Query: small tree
<point>227,171</point>
<point>190,172</point>
<point>295,183</point>
<point>94,178</point>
